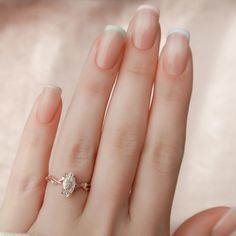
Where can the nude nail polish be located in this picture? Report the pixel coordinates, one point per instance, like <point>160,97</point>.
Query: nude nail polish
<point>110,46</point>
<point>145,27</point>
<point>176,51</point>
<point>48,103</point>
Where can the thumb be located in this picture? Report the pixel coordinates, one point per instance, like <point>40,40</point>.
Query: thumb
<point>202,223</point>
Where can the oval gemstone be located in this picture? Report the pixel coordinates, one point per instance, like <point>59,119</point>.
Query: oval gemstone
<point>68,184</point>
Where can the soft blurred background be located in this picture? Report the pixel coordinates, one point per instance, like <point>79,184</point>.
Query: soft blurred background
<point>46,42</point>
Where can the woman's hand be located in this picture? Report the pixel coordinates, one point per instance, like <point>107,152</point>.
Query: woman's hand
<point>217,221</point>
<point>132,157</point>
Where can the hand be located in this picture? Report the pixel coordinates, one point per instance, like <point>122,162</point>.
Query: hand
<point>132,157</point>
<point>217,221</point>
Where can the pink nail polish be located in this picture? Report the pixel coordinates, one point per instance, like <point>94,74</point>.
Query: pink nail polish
<point>48,104</point>
<point>110,47</point>
<point>176,52</point>
<point>145,27</point>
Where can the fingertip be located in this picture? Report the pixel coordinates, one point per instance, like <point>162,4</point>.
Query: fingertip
<point>226,225</point>
<point>110,47</point>
<point>201,223</point>
<point>176,52</point>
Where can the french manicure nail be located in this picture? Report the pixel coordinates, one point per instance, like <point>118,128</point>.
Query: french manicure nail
<point>110,46</point>
<point>176,51</point>
<point>150,7</point>
<point>226,226</point>
<point>48,103</point>
<point>145,27</point>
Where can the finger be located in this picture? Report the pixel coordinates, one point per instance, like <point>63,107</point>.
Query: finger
<point>163,149</point>
<point>226,226</point>
<point>26,185</point>
<point>201,223</point>
<point>78,141</point>
<point>125,123</point>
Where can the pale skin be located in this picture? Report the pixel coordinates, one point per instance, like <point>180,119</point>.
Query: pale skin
<point>131,154</point>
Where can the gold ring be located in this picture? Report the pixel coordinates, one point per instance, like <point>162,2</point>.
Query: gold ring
<point>69,183</point>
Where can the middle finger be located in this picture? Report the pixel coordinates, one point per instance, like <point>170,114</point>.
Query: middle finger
<point>125,124</point>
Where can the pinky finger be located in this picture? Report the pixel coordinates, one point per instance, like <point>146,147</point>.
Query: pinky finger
<point>27,183</point>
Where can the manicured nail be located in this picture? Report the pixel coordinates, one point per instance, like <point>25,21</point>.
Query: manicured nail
<point>48,103</point>
<point>110,47</point>
<point>176,51</point>
<point>152,8</point>
<point>226,226</point>
<point>145,27</point>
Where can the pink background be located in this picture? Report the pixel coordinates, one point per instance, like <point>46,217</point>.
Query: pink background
<point>45,42</point>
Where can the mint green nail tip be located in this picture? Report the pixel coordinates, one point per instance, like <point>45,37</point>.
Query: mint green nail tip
<point>180,31</point>
<point>116,28</point>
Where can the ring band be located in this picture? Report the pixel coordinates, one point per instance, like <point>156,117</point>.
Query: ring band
<point>69,183</point>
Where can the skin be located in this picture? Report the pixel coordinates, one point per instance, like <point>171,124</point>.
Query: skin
<point>135,147</point>
<point>202,223</point>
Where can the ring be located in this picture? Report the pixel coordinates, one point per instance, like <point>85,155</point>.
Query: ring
<point>69,183</point>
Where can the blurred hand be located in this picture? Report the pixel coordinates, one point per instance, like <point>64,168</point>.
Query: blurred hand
<point>131,155</point>
<point>218,221</point>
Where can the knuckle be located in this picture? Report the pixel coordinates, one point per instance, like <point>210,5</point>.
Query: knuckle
<point>96,85</point>
<point>173,94</point>
<point>170,94</point>
<point>33,140</point>
<point>125,140</point>
<point>81,150</point>
<point>141,69</point>
<point>29,183</point>
<point>165,157</point>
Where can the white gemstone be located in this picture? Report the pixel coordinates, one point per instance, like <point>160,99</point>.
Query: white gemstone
<point>68,184</point>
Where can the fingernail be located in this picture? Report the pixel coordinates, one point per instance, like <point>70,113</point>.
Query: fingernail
<point>48,103</point>
<point>145,27</point>
<point>176,51</point>
<point>110,46</point>
<point>226,226</point>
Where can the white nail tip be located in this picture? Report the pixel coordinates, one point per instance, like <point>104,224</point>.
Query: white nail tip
<point>53,87</point>
<point>180,31</point>
<point>148,7</point>
<point>115,28</point>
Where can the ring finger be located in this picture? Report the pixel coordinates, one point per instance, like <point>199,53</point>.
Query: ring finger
<point>78,141</point>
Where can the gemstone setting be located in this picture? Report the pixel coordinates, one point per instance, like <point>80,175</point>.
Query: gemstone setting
<point>68,184</point>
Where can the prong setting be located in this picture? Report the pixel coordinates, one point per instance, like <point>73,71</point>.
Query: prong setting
<point>69,184</point>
